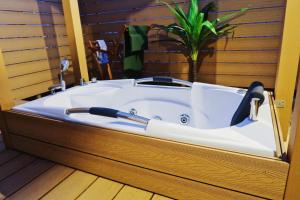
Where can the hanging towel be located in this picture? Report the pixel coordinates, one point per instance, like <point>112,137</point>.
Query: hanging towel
<point>136,41</point>
<point>102,56</point>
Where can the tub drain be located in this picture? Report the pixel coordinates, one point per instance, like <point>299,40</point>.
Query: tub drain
<point>133,111</point>
<point>184,119</point>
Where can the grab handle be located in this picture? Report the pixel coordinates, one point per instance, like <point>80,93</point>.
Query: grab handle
<point>108,112</point>
<point>163,79</point>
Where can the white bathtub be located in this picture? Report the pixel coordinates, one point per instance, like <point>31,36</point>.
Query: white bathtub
<point>206,108</point>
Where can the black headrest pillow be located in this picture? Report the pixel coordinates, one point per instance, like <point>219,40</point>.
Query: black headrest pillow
<point>255,90</point>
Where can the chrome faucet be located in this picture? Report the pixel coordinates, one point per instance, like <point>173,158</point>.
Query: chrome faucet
<point>254,109</point>
<point>64,66</point>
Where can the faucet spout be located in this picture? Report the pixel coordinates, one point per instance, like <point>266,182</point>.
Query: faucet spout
<point>62,85</point>
<point>254,109</point>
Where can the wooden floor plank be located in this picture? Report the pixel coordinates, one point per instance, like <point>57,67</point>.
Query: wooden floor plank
<point>13,183</point>
<point>71,187</point>
<point>2,146</point>
<point>133,193</point>
<point>15,165</point>
<point>158,197</point>
<point>103,189</point>
<point>7,155</point>
<point>42,184</point>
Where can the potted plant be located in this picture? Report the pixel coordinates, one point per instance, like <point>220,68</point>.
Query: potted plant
<point>194,31</point>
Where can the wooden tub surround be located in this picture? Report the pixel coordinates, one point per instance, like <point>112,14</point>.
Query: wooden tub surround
<point>25,177</point>
<point>173,169</point>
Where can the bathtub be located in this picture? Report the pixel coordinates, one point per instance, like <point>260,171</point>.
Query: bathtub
<point>197,115</point>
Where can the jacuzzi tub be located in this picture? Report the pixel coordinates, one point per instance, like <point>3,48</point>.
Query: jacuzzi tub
<point>198,115</point>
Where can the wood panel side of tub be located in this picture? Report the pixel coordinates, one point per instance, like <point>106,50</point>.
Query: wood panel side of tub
<point>168,185</point>
<point>252,175</point>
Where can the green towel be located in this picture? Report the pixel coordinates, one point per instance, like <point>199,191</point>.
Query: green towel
<point>136,41</point>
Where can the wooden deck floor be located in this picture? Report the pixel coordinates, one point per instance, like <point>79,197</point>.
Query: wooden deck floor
<point>24,177</point>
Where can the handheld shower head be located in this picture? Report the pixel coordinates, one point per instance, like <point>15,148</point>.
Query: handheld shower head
<point>64,65</point>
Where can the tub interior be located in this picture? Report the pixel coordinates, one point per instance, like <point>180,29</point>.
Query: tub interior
<point>166,104</point>
<point>204,107</point>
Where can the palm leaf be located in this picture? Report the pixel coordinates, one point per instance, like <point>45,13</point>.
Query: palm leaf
<point>193,11</point>
<point>181,12</point>
<point>210,27</point>
<point>198,26</point>
<point>180,16</point>
<point>230,17</point>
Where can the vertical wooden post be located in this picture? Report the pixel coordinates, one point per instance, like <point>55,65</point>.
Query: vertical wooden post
<point>75,35</point>
<point>293,183</point>
<point>6,97</point>
<point>288,65</point>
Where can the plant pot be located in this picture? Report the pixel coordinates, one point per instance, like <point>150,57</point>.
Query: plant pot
<point>193,71</point>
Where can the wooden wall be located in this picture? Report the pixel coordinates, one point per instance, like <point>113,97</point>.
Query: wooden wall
<point>251,54</point>
<point>33,40</point>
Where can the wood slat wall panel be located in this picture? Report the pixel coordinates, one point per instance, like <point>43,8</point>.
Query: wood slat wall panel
<point>21,31</point>
<point>263,43</point>
<point>91,6</point>
<point>32,6</point>
<point>234,44</point>
<point>38,88</point>
<point>255,15</point>
<point>231,60</point>
<point>32,43</point>
<point>33,39</point>
<point>218,68</point>
<point>32,67</point>
<point>216,56</point>
<point>8,17</point>
<point>31,79</point>
<point>14,57</point>
<point>254,31</point>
